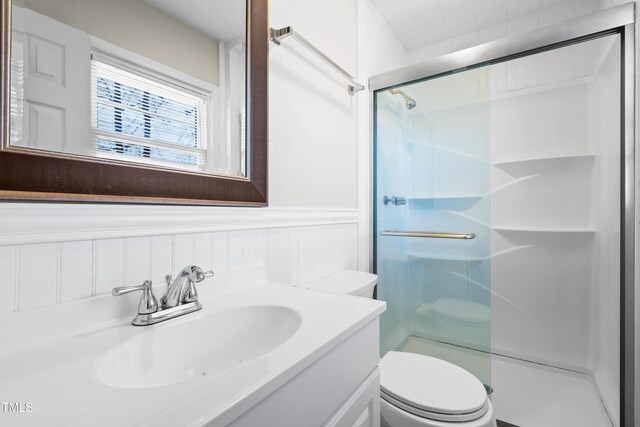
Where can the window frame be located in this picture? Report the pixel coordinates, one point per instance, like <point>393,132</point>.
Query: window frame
<point>140,67</point>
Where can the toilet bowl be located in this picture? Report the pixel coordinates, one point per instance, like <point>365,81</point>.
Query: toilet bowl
<point>417,390</point>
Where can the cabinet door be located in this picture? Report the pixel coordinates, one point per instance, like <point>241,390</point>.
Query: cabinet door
<point>363,407</point>
<point>368,417</point>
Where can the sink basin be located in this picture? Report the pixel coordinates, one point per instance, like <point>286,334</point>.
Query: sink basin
<point>192,349</point>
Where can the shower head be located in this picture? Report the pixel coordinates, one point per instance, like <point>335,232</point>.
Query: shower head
<point>409,102</point>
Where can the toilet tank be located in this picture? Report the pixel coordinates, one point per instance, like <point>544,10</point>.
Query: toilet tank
<point>347,282</point>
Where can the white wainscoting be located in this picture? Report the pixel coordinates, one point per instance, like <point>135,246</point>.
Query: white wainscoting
<point>50,254</point>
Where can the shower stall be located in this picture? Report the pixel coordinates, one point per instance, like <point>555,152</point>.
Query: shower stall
<point>504,218</point>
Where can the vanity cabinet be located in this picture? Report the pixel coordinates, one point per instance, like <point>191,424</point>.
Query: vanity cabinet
<point>363,407</point>
<point>341,388</point>
<point>257,354</point>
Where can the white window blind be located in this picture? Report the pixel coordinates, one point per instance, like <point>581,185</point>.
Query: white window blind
<point>17,88</point>
<point>142,119</point>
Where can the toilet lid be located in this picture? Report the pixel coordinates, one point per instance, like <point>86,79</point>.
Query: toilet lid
<point>347,282</point>
<point>431,385</point>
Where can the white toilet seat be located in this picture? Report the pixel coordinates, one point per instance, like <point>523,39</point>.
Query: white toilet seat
<point>392,416</point>
<point>426,388</point>
<point>447,418</point>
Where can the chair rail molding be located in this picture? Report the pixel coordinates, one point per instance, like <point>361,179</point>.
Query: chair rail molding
<point>22,223</point>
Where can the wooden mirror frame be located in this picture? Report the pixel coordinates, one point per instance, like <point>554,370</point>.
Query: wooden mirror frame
<point>63,177</point>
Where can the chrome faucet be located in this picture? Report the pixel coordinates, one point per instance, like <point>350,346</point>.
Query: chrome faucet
<point>183,290</point>
<point>180,298</point>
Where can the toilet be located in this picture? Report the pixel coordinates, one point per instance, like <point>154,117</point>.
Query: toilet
<point>417,390</point>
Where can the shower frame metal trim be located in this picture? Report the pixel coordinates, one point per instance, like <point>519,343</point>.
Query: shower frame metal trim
<point>616,20</point>
<point>568,32</point>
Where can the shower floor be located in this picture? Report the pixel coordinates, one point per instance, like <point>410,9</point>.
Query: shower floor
<point>527,394</point>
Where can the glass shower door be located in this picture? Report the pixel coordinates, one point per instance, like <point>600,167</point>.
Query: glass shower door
<point>432,209</point>
<point>497,227</point>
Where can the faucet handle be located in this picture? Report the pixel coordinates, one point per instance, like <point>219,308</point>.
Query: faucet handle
<point>191,294</point>
<point>198,275</point>
<point>148,303</point>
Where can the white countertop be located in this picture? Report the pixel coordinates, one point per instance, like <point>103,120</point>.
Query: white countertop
<point>58,375</point>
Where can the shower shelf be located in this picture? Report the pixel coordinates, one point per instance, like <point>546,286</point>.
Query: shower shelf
<point>543,230</point>
<point>444,257</point>
<point>543,160</point>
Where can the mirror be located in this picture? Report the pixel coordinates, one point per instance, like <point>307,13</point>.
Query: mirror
<point>156,82</point>
<point>170,93</point>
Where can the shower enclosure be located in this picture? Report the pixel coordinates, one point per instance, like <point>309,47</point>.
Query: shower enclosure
<point>504,218</point>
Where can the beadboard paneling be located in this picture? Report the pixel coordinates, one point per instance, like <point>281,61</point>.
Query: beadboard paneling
<point>137,266</point>
<point>236,249</point>
<point>161,257</point>
<point>76,270</point>
<point>109,264</point>
<point>220,251</point>
<point>7,278</point>
<point>283,244</point>
<point>37,278</point>
<point>42,274</point>
<point>23,223</point>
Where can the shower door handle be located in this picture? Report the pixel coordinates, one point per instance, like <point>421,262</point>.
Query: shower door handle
<point>430,234</point>
<point>398,201</point>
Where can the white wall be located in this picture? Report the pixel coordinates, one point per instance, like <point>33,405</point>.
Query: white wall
<point>509,26</point>
<point>312,125</point>
<point>51,254</point>
<point>158,36</point>
<point>611,3</point>
<point>378,48</point>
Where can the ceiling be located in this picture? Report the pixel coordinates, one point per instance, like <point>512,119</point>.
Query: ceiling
<point>222,20</point>
<point>419,23</point>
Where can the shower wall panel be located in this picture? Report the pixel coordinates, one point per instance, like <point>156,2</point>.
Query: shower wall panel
<point>545,157</point>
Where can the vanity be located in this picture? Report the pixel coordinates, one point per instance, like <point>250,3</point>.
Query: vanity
<point>257,354</point>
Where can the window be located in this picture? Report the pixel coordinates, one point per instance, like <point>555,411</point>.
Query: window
<point>139,117</point>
